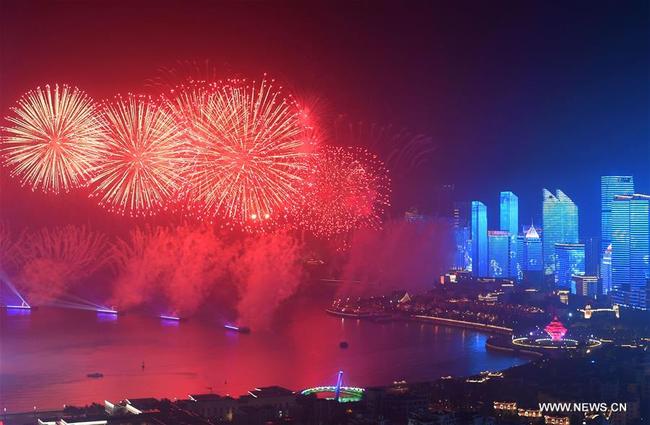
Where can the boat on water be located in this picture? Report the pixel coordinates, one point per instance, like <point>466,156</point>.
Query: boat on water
<point>95,375</point>
<point>240,329</point>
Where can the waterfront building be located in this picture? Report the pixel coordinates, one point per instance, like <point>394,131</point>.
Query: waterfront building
<point>593,255</point>
<point>509,213</point>
<point>529,255</point>
<point>560,222</point>
<point>461,259</point>
<point>479,239</point>
<point>509,222</point>
<point>585,285</point>
<point>610,186</point>
<point>514,267</point>
<point>499,253</point>
<point>461,214</point>
<point>531,251</point>
<point>462,234</point>
<point>569,261</point>
<point>606,270</point>
<point>468,255</point>
<point>630,225</point>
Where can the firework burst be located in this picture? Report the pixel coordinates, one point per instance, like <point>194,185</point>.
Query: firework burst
<point>349,189</point>
<point>142,157</point>
<point>51,142</point>
<point>251,148</point>
<point>402,151</point>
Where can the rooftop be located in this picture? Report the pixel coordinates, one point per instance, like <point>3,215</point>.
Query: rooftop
<point>268,392</point>
<point>635,197</point>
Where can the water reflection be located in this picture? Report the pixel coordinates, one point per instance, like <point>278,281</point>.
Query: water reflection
<point>47,355</point>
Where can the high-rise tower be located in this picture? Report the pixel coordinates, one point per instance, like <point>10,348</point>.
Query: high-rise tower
<point>560,223</point>
<point>479,240</point>
<point>509,213</point>
<point>630,221</point>
<point>610,186</point>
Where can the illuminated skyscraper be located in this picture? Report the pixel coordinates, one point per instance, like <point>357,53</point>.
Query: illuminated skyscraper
<point>509,213</point>
<point>462,237</point>
<point>560,222</point>
<point>630,225</point>
<point>462,226</point>
<point>530,251</point>
<point>610,186</point>
<point>499,253</point>
<point>593,255</point>
<point>509,222</point>
<point>569,261</point>
<point>479,240</point>
<point>606,270</point>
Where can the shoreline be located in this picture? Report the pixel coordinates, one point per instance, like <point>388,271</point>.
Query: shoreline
<point>476,326</point>
<point>381,318</point>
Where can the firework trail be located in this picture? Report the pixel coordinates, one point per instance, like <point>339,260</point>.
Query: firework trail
<point>401,150</point>
<point>349,189</point>
<point>142,157</point>
<point>182,72</point>
<point>52,260</point>
<point>251,148</point>
<point>52,140</point>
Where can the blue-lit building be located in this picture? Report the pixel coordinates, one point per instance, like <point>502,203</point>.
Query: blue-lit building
<point>560,223</point>
<point>479,239</point>
<point>509,213</point>
<point>585,285</point>
<point>610,186</point>
<point>462,232</point>
<point>569,261</point>
<point>499,253</point>
<point>514,268</point>
<point>530,251</point>
<point>461,259</point>
<point>593,255</point>
<point>630,225</point>
<point>509,222</point>
<point>606,270</point>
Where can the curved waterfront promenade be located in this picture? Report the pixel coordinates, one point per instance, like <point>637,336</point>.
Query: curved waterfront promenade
<point>501,330</point>
<point>499,344</point>
<point>476,326</point>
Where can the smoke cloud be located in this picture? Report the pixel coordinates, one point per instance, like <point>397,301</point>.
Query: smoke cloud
<point>402,255</point>
<point>191,266</point>
<point>268,271</point>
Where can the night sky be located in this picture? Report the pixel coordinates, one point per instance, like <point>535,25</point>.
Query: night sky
<point>516,95</point>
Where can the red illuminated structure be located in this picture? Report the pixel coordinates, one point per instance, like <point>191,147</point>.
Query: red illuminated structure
<point>555,330</point>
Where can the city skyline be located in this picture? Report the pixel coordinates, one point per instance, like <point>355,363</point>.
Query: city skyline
<point>619,258</point>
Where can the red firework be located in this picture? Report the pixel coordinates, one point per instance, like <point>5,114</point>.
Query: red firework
<point>51,142</point>
<point>142,157</point>
<point>349,189</point>
<point>251,148</point>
